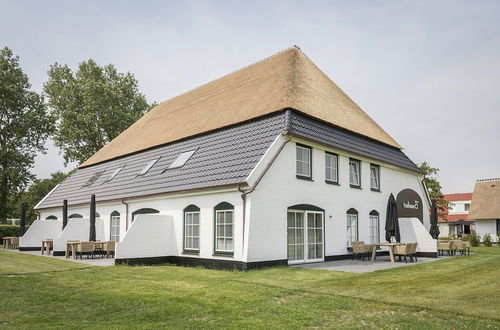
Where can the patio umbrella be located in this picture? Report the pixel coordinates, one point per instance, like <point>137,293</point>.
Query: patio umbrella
<point>22,220</point>
<point>392,221</point>
<point>65,213</point>
<point>434,231</point>
<point>92,219</point>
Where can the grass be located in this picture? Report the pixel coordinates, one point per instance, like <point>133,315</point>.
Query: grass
<point>456,293</point>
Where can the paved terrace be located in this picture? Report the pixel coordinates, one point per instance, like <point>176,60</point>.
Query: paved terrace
<point>366,266</point>
<point>350,266</point>
<point>97,261</point>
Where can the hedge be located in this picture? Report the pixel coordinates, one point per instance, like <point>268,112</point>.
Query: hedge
<point>9,230</point>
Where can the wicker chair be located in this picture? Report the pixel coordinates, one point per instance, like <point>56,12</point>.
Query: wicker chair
<point>361,250</point>
<point>444,246</point>
<point>14,242</point>
<point>458,247</point>
<point>109,248</point>
<point>467,247</point>
<point>85,247</point>
<point>404,251</point>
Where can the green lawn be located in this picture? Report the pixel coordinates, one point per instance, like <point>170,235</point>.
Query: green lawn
<point>459,293</point>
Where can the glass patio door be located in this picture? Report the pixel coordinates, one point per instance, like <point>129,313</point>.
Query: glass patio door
<point>305,236</point>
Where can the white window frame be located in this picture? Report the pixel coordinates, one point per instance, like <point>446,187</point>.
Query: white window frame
<point>375,177</point>
<point>224,237</point>
<point>355,172</point>
<point>189,232</point>
<point>352,237</point>
<point>114,231</point>
<point>303,163</point>
<point>332,171</point>
<point>374,228</point>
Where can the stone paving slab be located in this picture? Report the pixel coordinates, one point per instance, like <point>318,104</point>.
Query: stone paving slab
<point>366,266</point>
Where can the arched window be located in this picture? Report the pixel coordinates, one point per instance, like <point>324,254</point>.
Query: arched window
<point>374,227</point>
<point>192,229</point>
<point>97,215</point>
<point>352,226</point>
<point>114,231</point>
<point>51,217</point>
<point>75,216</point>
<point>144,211</point>
<point>224,215</point>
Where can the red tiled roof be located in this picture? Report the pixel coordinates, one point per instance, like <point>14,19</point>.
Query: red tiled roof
<point>454,198</point>
<point>458,197</point>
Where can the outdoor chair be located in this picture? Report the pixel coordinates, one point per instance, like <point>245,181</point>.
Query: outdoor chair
<point>361,250</point>
<point>14,242</point>
<point>458,247</point>
<point>413,251</point>
<point>404,250</point>
<point>85,247</point>
<point>444,246</point>
<point>109,248</point>
<point>466,247</point>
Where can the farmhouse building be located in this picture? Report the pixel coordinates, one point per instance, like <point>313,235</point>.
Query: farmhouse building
<point>272,164</point>
<point>485,207</point>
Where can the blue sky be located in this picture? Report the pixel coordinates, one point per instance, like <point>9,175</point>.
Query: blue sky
<point>427,71</point>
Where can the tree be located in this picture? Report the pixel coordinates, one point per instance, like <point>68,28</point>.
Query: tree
<point>93,105</point>
<point>35,192</point>
<point>431,179</point>
<point>25,125</point>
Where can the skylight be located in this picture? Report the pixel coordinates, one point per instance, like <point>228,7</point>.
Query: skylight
<point>148,166</point>
<point>181,159</point>
<point>115,172</point>
<point>93,178</point>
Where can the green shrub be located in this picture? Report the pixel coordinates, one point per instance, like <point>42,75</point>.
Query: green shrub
<point>487,240</point>
<point>9,230</point>
<point>474,238</point>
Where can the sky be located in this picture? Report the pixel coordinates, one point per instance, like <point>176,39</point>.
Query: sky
<point>428,72</point>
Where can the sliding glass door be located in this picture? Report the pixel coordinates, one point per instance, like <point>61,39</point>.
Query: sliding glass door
<point>305,236</point>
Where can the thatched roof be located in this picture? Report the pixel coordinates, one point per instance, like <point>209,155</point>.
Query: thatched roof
<point>288,79</point>
<point>486,200</point>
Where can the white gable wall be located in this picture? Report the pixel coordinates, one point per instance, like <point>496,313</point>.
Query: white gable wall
<point>280,189</point>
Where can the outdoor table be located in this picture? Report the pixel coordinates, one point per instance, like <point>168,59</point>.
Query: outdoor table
<point>47,244</point>
<point>71,246</point>
<point>389,245</point>
<point>7,241</point>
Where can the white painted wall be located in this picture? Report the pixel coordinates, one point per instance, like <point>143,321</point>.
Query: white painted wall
<point>458,207</point>
<point>412,230</point>
<point>148,236</point>
<point>78,229</point>
<point>280,189</point>
<point>487,227</point>
<point>40,230</point>
<point>169,205</point>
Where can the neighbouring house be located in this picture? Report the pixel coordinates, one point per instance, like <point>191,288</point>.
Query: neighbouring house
<point>485,207</point>
<point>270,165</point>
<point>457,221</point>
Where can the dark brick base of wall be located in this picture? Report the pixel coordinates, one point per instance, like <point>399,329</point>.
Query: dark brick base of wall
<point>201,262</point>
<point>30,248</point>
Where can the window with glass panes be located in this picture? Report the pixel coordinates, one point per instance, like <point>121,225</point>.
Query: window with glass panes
<point>352,227</point>
<point>331,167</point>
<point>224,231</point>
<point>354,173</point>
<point>303,161</point>
<point>192,231</point>
<point>115,227</point>
<point>374,177</point>
<point>374,227</point>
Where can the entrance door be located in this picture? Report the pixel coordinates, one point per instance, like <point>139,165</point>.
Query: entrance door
<point>305,236</point>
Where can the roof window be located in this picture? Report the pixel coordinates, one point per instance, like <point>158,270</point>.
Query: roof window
<point>182,159</point>
<point>93,178</point>
<point>148,166</point>
<point>115,173</point>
